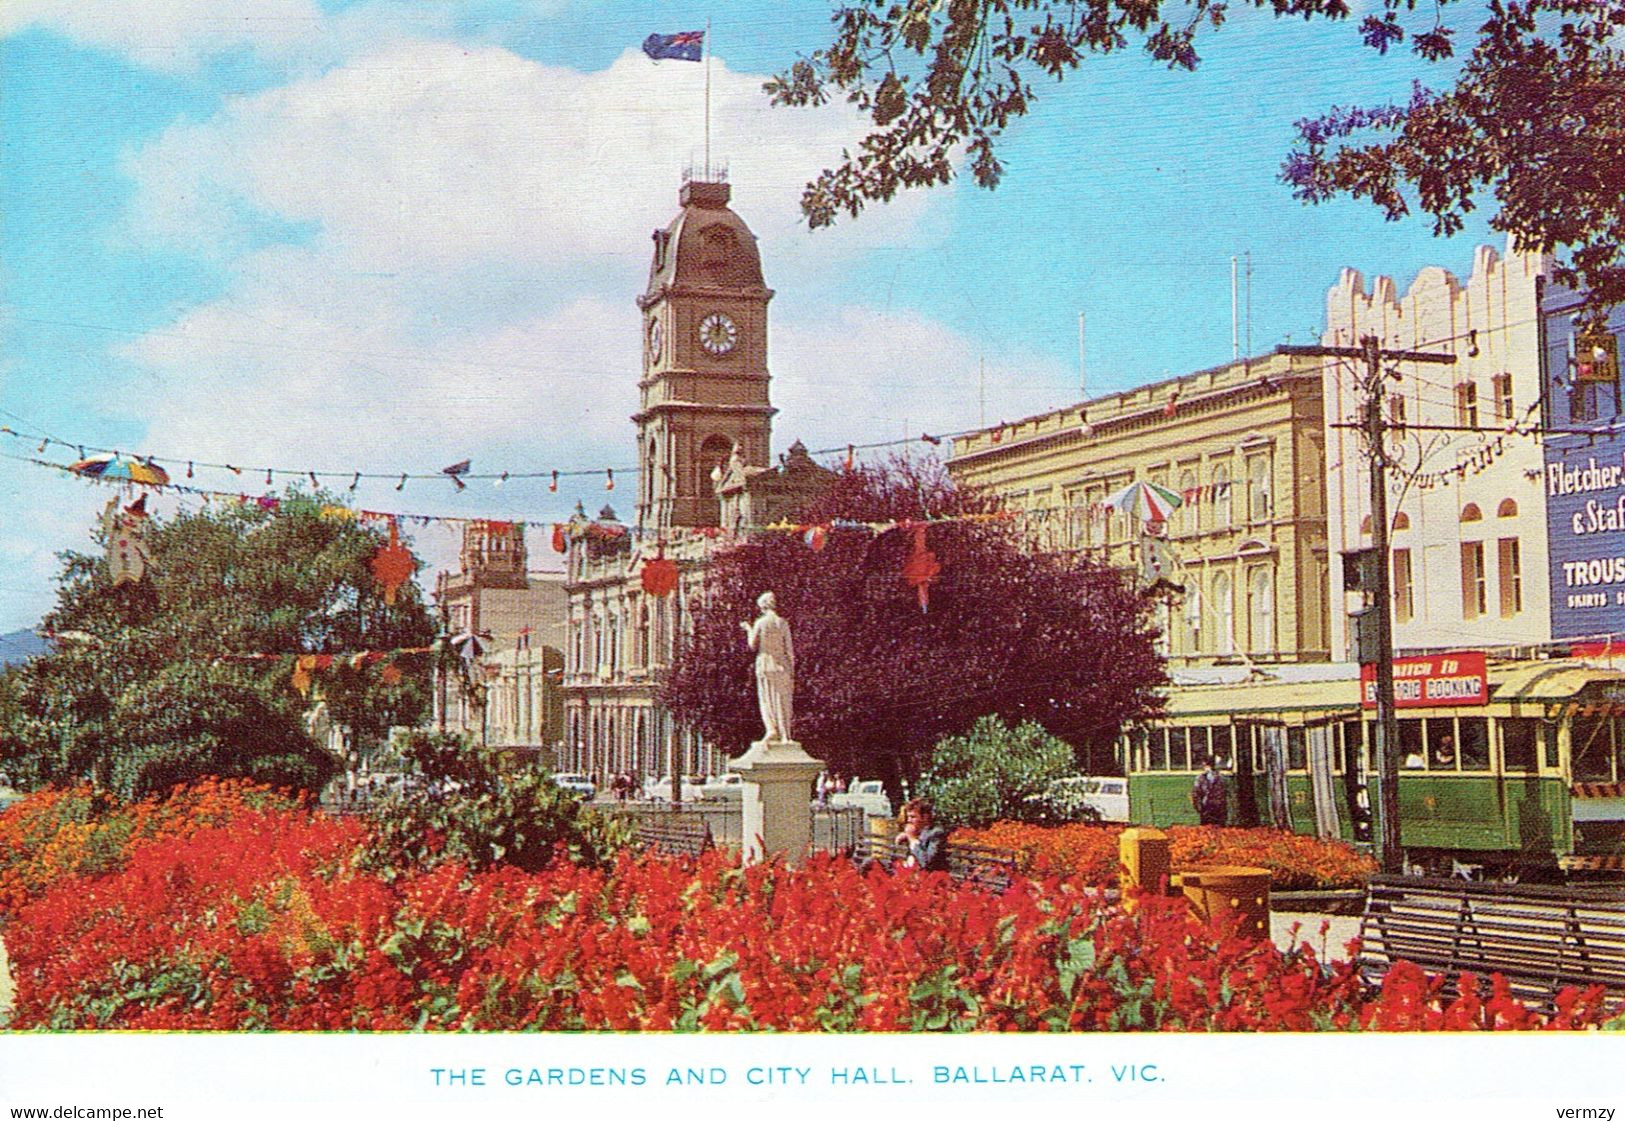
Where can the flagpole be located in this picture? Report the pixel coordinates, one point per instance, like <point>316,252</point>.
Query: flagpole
<point>708,98</point>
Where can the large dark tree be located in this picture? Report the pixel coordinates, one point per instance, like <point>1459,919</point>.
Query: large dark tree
<point>1535,116</point>
<point>1058,640</point>
<point>141,690</point>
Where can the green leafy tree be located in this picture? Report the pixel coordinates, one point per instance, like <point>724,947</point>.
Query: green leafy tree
<point>1534,118</point>
<point>995,772</point>
<point>142,690</point>
<point>459,805</point>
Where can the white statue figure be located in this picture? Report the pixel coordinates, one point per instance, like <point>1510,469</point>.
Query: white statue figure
<point>769,636</point>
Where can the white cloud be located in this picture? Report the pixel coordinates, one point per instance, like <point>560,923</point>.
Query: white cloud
<point>431,153</point>
<point>475,228</point>
<point>857,375</point>
<point>177,36</point>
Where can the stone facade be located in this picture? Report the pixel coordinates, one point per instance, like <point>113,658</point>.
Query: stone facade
<point>704,434</point>
<point>520,616</point>
<point>1467,510</point>
<point>1244,556</point>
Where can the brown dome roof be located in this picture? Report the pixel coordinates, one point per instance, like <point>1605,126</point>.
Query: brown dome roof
<point>706,246</point>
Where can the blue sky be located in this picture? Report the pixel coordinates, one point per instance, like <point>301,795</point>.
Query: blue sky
<point>385,237</point>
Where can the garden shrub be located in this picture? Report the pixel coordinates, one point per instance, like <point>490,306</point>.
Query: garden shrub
<point>1090,852</point>
<point>461,807</point>
<point>995,771</point>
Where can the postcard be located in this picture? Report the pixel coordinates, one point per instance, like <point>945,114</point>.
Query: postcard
<point>811,555</point>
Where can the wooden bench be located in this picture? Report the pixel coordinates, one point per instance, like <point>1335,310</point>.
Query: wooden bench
<point>675,837</point>
<point>977,865</point>
<point>1539,938</point>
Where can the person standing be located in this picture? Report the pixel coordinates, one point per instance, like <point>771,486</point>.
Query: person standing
<point>1208,795</point>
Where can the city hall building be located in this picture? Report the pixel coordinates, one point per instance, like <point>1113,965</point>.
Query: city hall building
<point>704,440</point>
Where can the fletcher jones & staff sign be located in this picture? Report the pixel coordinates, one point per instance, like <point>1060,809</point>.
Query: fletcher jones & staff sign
<point>1437,679</point>
<point>1585,529</point>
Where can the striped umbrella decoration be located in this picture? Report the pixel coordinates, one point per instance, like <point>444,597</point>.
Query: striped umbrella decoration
<point>1150,502</point>
<point>120,468</point>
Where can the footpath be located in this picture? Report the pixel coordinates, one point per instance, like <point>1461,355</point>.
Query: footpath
<point>1332,946</point>
<point>7,988</point>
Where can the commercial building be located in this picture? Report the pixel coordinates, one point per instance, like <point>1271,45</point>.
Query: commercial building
<point>1585,468</point>
<point>1243,556</point>
<point>1467,510</point>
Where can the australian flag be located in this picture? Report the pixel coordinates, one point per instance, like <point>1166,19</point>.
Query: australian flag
<point>685,45</point>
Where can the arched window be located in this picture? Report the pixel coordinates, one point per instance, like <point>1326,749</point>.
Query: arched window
<point>1471,513</point>
<point>1402,520</point>
<point>1507,509</point>
<point>713,460</point>
<point>1261,610</point>
<point>1193,619</point>
<point>1258,489</point>
<point>1224,614</point>
<point>1222,509</point>
<point>1365,526</point>
<point>1187,513</point>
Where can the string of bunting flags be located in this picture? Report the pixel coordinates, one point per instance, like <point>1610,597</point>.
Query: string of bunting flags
<point>1479,459</point>
<point>306,666</point>
<point>577,526</point>
<point>151,469</point>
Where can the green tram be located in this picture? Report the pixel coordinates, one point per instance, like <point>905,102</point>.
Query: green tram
<point>1532,782</point>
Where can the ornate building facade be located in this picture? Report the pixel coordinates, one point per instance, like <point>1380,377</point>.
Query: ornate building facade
<point>704,435</point>
<point>1244,556</point>
<point>1466,505</point>
<point>518,614</point>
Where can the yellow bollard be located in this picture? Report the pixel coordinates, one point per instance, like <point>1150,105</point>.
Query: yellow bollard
<point>1142,856</point>
<point>1231,893</point>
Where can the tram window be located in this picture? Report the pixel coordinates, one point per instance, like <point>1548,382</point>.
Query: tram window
<point>1410,745</point>
<point>1443,754</point>
<point>1370,744</point>
<point>1518,738</point>
<point>1178,749</point>
<point>1224,745</point>
<point>1297,750</point>
<point>1593,748</point>
<point>1350,764</point>
<point>1473,743</point>
<point>1549,731</point>
<point>1198,747</point>
<point>1159,750</point>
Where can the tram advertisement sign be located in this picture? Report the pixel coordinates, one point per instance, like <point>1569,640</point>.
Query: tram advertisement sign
<point>1585,526</point>
<point>1437,679</point>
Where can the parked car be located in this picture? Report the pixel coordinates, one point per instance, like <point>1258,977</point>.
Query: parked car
<point>659,789</point>
<point>576,784</point>
<point>868,795</point>
<point>718,787</point>
<point>1105,794</point>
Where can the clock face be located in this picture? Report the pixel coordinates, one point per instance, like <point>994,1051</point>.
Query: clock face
<point>657,336</point>
<point>718,333</point>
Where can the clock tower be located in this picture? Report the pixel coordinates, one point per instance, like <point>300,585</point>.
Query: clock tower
<point>704,389</point>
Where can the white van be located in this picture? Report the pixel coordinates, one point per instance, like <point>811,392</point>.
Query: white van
<point>868,795</point>
<point>1107,795</point>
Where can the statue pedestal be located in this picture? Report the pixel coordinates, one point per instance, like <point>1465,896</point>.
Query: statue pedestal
<point>777,800</point>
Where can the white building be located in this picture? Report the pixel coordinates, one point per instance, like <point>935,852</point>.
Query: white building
<point>1466,508</point>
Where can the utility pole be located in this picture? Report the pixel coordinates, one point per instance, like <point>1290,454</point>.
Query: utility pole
<point>1389,852</point>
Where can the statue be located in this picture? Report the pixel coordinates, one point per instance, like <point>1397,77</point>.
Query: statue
<point>769,636</point>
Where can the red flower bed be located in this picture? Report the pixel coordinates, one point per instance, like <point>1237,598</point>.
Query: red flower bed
<point>264,923</point>
<point>1090,852</point>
